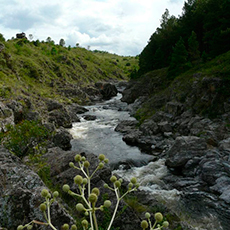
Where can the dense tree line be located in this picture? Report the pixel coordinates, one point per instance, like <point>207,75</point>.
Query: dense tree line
<point>201,32</point>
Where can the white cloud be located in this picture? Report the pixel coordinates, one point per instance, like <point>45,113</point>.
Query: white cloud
<point>121,26</point>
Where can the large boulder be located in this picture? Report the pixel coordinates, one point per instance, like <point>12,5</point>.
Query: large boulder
<point>62,139</point>
<point>107,90</point>
<point>60,117</point>
<point>184,149</point>
<point>20,195</point>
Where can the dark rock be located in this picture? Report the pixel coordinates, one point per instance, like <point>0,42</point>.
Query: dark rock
<point>62,139</point>
<point>20,195</point>
<point>174,108</point>
<point>21,35</point>
<point>89,117</point>
<point>74,110</point>
<point>18,111</point>
<point>52,105</point>
<point>126,126</point>
<point>6,117</point>
<point>149,127</point>
<point>184,149</point>
<point>60,118</point>
<point>107,90</point>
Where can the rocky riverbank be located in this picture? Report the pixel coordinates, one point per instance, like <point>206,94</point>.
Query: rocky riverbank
<point>196,148</point>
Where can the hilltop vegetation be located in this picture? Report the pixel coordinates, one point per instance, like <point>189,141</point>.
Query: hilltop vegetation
<point>201,33</point>
<point>44,70</point>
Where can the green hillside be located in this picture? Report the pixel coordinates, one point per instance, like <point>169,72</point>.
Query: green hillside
<point>44,70</point>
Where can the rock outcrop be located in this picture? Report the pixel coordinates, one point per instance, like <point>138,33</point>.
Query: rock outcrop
<point>20,195</point>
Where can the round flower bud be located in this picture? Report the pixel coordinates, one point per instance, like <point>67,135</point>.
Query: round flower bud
<point>117,184</point>
<point>134,180</point>
<point>49,195</point>
<point>165,224</point>
<point>78,179</point>
<point>42,207</point>
<point>158,217</point>
<point>144,224</point>
<point>137,185</point>
<point>106,161</point>
<point>71,164</point>
<point>106,186</point>
<point>121,180</point>
<point>77,158</point>
<point>80,207</point>
<point>147,215</point>
<point>85,181</point>
<point>85,223</point>
<point>20,227</point>
<point>73,227</point>
<point>29,227</point>
<point>55,194</point>
<point>107,203</point>
<point>101,157</point>
<point>65,227</point>
<point>101,165</point>
<point>113,179</point>
<point>44,192</point>
<point>96,191</point>
<point>102,208</point>
<point>130,185</point>
<point>86,164</point>
<point>93,198</point>
<point>83,158</point>
<point>86,213</point>
<point>66,188</point>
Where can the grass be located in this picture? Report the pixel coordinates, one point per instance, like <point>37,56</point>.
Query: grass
<point>40,70</point>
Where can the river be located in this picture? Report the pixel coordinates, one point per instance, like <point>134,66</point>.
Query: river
<point>98,136</point>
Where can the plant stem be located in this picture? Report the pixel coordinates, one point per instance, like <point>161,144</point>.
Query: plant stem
<point>115,210</point>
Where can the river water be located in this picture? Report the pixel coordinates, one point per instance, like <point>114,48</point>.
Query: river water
<point>98,136</point>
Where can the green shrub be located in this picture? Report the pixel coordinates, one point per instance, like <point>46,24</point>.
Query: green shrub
<point>27,137</point>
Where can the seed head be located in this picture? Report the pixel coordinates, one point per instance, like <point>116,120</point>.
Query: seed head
<point>78,179</point>
<point>144,224</point>
<point>96,191</point>
<point>134,180</point>
<point>101,157</point>
<point>106,160</point>
<point>113,179</point>
<point>66,188</point>
<point>80,207</point>
<point>107,203</point>
<point>85,181</point>
<point>65,227</point>
<point>117,184</point>
<point>42,207</point>
<point>106,186</point>
<point>85,223</point>
<point>44,192</point>
<point>158,217</point>
<point>93,198</point>
<point>101,165</point>
<point>73,227</point>
<point>165,224</point>
<point>77,158</point>
<point>29,227</point>
<point>86,164</point>
<point>20,227</point>
<point>83,158</point>
<point>147,215</point>
<point>55,194</point>
<point>71,164</point>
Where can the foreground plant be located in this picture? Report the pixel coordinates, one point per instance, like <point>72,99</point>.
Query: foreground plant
<point>88,206</point>
<point>158,224</point>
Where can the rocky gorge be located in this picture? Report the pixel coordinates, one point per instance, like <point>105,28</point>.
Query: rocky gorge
<point>195,150</point>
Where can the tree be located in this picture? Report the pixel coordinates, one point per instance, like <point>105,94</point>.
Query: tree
<point>62,42</point>
<point>179,59</point>
<point>193,47</point>
<point>31,37</point>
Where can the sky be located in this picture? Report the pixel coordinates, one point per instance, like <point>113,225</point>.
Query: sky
<point>116,26</point>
